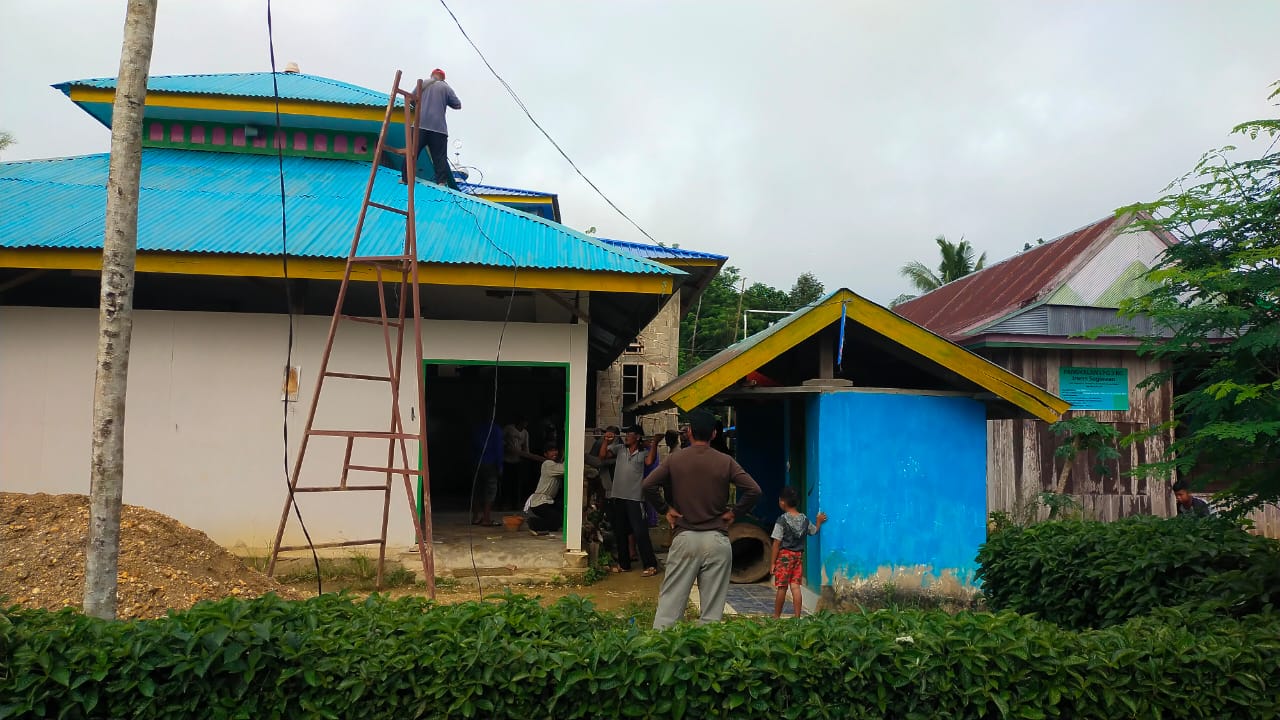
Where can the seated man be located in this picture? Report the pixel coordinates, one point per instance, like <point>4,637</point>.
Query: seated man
<point>1188,505</point>
<point>542,510</point>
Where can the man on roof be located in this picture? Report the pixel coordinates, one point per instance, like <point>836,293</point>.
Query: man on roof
<point>433,133</point>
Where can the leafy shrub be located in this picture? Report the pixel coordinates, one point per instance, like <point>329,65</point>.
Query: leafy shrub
<point>1082,574</point>
<point>332,657</point>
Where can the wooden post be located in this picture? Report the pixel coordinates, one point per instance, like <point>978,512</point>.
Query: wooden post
<point>115,312</point>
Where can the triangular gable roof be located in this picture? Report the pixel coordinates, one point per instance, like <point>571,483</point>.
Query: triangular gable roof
<point>226,203</point>
<point>1010,285</point>
<point>730,365</point>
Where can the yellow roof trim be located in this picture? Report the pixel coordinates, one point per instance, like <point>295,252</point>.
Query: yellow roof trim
<point>755,357</point>
<point>192,101</point>
<point>332,269</point>
<point>982,372</point>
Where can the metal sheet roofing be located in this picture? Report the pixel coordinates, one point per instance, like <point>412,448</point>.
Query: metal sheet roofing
<point>661,252</point>
<point>727,367</point>
<point>293,86</point>
<point>1000,289</point>
<point>478,189</point>
<point>228,203</point>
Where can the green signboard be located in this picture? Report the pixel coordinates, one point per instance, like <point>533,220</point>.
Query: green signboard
<point>1094,388</point>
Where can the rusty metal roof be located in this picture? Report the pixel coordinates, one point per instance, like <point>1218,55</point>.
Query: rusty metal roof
<point>967,304</point>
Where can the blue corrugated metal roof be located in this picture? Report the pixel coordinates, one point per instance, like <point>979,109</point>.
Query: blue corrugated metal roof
<point>293,86</point>
<point>660,252</point>
<point>229,203</point>
<point>478,189</point>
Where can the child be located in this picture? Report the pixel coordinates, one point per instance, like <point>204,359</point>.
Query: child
<point>789,535</point>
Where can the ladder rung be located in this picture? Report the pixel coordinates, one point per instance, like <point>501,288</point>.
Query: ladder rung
<point>379,258</point>
<point>371,321</point>
<point>364,434</point>
<point>396,150</point>
<point>394,471</point>
<point>319,546</point>
<point>388,208</point>
<point>339,488</point>
<point>357,376</point>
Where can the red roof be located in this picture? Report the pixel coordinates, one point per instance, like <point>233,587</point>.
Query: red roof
<point>1000,289</point>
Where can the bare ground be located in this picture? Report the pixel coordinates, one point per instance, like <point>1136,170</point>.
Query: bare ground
<point>163,564</point>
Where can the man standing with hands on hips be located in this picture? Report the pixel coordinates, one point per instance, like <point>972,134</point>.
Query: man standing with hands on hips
<point>692,488</point>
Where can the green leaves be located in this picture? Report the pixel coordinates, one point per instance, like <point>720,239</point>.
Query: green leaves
<point>1090,574</point>
<point>1216,309</point>
<point>509,658</point>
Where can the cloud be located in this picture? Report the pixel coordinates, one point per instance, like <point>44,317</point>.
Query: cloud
<point>833,137</point>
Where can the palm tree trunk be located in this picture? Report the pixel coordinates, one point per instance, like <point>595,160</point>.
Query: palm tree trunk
<point>115,312</point>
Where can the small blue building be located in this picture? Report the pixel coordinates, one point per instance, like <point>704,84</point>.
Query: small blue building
<point>875,421</point>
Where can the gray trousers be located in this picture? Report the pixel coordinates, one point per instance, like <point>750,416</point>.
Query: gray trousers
<point>703,556</point>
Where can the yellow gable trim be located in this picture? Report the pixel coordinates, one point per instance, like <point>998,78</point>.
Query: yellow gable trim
<point>331,269</point>
<point>991,377</point>
<point>238,104</point>
<point>755,357</point>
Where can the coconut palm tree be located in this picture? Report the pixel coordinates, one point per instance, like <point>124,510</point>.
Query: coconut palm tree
<point>957,261</point>
<point>6,139</point>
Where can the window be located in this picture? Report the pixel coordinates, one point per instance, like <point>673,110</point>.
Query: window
<point>632,389</point>
<point>635,348</point>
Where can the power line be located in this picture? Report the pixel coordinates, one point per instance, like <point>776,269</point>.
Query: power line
<point>288,298</point>
<point>514,96</point>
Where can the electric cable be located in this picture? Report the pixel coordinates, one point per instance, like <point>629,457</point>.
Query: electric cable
<point>520,103</point>
<point>288,297</point>
<point>493,409</point>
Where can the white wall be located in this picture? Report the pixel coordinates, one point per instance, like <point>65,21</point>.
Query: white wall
<point>203,432</point>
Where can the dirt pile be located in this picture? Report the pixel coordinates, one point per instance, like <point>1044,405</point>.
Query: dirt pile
<point>163,563</point>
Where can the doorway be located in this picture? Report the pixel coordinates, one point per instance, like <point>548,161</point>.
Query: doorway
<point>460,400</point>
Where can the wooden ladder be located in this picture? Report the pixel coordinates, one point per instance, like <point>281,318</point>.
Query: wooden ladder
<point>403,276</point>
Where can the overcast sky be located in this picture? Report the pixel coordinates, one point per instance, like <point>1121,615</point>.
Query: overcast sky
<point>834,137</point>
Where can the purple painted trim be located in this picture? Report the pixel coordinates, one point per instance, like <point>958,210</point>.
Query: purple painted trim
<point>340,144</point>
<point>259,142</point>
<point>299,141</point>
<point>175,133</point>
<point>156,132</point>
<point>322,142</point>
<point>361,145</point>
<point>237,137</point>
<point>219,136</point>
<point>197,135</point>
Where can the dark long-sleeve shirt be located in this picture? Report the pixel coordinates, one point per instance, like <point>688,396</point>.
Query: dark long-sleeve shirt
<point>695,481</point>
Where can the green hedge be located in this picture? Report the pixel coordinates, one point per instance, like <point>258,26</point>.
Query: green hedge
<point>333,657</point>
<point>1082,574</point>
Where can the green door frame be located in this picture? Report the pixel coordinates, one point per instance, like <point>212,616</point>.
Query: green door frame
<point>564,490</point>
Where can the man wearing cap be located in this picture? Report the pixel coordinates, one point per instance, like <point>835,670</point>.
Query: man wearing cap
<point>692,488</point>
<point>626,504</point>
<point>433,133</point>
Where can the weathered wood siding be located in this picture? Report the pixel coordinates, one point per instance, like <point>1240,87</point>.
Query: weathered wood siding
<point>1020,453</point>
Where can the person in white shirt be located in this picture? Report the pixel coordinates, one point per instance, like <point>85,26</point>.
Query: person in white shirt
<point>543,513</point>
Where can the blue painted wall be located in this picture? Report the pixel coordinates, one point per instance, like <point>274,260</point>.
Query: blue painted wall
<point>902,479</point>
<point>761,450</point>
